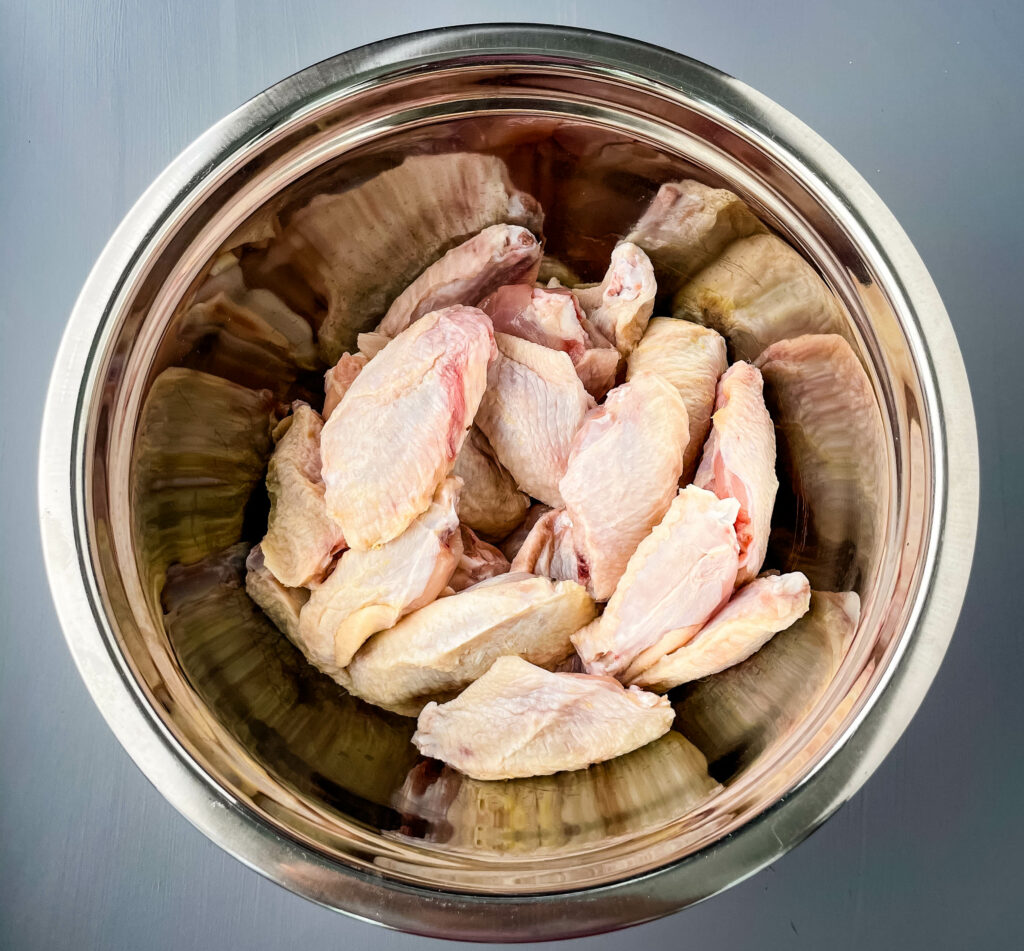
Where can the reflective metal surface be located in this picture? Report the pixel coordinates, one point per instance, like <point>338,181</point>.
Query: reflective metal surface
<point>159,412</point>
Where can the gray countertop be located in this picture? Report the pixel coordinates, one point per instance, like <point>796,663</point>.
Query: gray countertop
<point>96,96</point>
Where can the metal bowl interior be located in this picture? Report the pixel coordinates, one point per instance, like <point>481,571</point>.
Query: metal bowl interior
<point>325,794</point>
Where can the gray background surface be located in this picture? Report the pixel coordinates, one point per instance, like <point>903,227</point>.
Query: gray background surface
<point>96,96</point>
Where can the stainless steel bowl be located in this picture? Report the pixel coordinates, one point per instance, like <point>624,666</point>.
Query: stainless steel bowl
<point>139,480</point>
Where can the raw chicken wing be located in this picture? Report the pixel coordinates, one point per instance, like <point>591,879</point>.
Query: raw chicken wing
<point>691,358</point>
<point>678,577</point>
<point>370,590</point>
<point>739,462</point>
<point>490,502</point>
<point>550,317</point>
<point>339,378</point>
<point>687,226</point>
<point>501,254</point>
<point>622,475</point>
<point>623,302</point>
<point>301,536</point>
<point>755,614</point>
<point>548,550</point>
<point>519,720</point>
<point>394,438</point>
<point>436,651</point>
<point>531,412</point>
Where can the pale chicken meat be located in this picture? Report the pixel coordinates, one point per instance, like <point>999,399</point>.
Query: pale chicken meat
<point>339,378</point>
<point>358,250</point>
<point>438,650</point>
<point>520,720</point>
<point>622,304</point>
<point>739,462</point>
<point>549,550</point>
<point>394,438</point>
<point>277,601</point>
<point>759,291</point>
<point>499,255</point>
<point>550,317</point>
<point>687,226</point>
<point>553,317</point>
<point>490,502</point>
<point>679,576</point>
<point>368,591</point>
<point>622,475</point>
<point>755,614</point>
<point>302,537</point>
<point>530,413</point>
<point>691,358</point>
<point>479,561</point>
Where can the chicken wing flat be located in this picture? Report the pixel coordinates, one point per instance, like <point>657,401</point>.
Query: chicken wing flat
<point>436,651</point>
<point>679,576</point>
<point>739,461</point>
<point>756,613</point>
<point>394,438</point>
<point>622,475</point>
<point>521,720</point>
<point>533,407</point>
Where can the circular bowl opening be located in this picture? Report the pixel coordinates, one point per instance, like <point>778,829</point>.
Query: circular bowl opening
<point>159,409</point>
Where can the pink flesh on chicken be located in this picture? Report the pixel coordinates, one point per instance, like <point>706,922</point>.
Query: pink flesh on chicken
<point>420,395</point>
<point>500,254</point>
<point>553,318</point>
<point>530,413</point>
<point>678,577</point>
<point>622,475</point>
<point>302,537</point>
<point>548,317</point>
<point>479,561</point>
<point>339,378</point>
<point>622,304</point>
<point>598,370</point>
<point>548,550</point>
<point>756,613</point>
<point>739,462</point>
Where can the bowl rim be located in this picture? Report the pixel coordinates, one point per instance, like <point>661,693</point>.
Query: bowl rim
<point>419,909</point>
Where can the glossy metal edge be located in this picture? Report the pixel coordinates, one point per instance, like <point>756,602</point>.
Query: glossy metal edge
<point>467,917</point>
